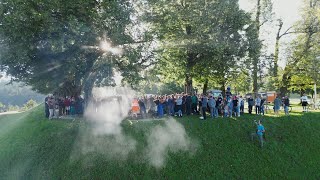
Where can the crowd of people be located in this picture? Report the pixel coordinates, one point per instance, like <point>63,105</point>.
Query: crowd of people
<point>187,104</point>
<point>58,106</point>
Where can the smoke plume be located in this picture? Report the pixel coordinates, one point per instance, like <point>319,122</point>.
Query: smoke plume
<point>171,137</point>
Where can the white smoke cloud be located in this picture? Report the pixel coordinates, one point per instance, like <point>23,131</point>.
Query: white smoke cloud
<point>171,137</point>
<point>106,135</point>
<point>105,114</point>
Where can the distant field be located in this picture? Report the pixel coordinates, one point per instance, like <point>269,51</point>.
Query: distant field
<point>32,147</point>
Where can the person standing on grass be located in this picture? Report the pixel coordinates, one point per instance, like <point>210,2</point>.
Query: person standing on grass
<point>204,101</point>
<point>277,103</point>
<point>259,133</point>
<point>263,100</point>
<point>212,106</point>
<point>194,101</point>
<point>225,109</point>
<point>46,106</point>
<point>240,106</point>
<point>258,105</point>
<point>219,105</point>
<point>235,103</point>
<point>179,106</point>
<point>304,102</point>
<point>286,105</point>
<point>250,104</point>
<point>51,105</point>
<point>188,104</point>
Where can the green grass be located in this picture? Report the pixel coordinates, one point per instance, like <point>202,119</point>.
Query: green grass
<point>32,147</point>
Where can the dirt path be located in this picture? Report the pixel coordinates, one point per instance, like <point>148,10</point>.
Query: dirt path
<point>9,112</point>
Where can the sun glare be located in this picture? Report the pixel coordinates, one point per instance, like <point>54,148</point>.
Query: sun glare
<point>105,45</point>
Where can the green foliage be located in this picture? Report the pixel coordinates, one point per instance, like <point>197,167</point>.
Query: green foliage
<point>206,43</point>
<point>53,45</point>
<point>302,69</point>
<point>30,104</point>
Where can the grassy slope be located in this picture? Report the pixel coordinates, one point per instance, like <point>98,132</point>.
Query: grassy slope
<point>34,148</point>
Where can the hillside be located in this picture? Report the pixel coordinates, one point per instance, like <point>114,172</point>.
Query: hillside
<point>32,147</point>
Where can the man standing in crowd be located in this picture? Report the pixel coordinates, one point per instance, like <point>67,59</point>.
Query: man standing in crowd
<point>219,105</point>
<point>46,106</point>
<point>188,104</point>
<point>258,105</point>
<point>204,102</point>
<point>235,106</point>
<point>286,105</point>
<point>212,106</point>
<point>277,103</point>
<point>250,104</point>
<point>262,103</point>
<point>51,104</point>
<point>241,105</point>
<point>194,100</point>
<point>304,102</point>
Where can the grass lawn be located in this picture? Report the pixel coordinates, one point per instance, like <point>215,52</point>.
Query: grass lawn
<point>32,147</point>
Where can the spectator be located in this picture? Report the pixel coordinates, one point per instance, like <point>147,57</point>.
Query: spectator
<point>258,105</point>
<point>51,105</point>
<point>179,106</point>
<point>304,102</point>
<point>212,106</point>
<point>204,101</point>
<point>250,104</point>
<point>263,100</point>
<point>241,104</point>
<point>235,103</point>
<point>194,101</point>
<point>286,105</point>
<point>46,106</point>
<point>277,103</point>
<point>188,104</point>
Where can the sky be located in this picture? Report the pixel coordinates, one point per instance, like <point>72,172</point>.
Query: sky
<point>288,11</point>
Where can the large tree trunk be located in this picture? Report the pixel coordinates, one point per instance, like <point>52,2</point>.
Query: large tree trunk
<point>223,87</point>
<point>188,84</point>
<point>188,76</point>
<point>276,54</point>
<point>285,84</point>
<point>255,77</point>
<point>205,86</point>
<point>256,58</point>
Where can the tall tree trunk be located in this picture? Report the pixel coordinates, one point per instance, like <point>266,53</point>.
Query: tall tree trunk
<point>255,77</point>
<point>315,94</point>
<point>256,57</point>
<point>223,87</point>
<point>205,86</point>
<point>285,84</point>
<point>276,51</point>
<point>188,76</point>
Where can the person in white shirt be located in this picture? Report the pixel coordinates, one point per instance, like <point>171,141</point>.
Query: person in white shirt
<point>258,103</point>
<point>304,102</point>
<point>239,105</point>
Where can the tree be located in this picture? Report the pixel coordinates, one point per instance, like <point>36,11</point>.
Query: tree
<point>30,104</point>
<point>198,44</point>
<point>55,46</point>
<point>263,14</point>
<point>304,48</point>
